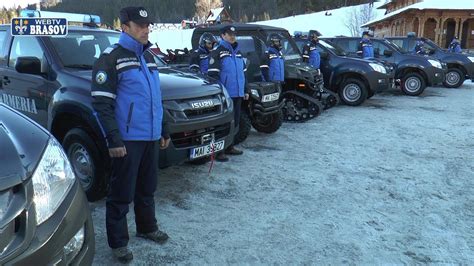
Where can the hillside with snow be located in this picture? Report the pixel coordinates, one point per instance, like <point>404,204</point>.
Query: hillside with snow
<point>328,25</point>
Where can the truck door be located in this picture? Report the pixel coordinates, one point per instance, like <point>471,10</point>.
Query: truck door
<point>27,93</point>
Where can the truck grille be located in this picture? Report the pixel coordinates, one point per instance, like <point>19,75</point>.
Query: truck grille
<point>193,138</point>
<point>201,112</point>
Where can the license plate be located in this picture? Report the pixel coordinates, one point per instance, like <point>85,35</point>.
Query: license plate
<point>271,97</point>
<point>206,150</point>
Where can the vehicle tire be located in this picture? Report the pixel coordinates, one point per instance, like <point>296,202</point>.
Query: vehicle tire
<point>353,92</point>
<point>86,162</point>
<point>245,125</point>
<point>413,84</point>
<point>268,123</point>
<point>454,78</point>
<point>370,94</point>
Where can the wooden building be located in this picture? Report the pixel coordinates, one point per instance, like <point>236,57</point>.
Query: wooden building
<point>438,20</point>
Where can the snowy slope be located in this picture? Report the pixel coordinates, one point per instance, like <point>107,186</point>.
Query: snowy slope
<point>328,25</point>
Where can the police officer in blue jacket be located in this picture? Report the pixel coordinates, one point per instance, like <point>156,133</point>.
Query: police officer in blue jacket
<point>310,50</point>
<point>127,101</point>
<point>227,65</point>
<point>455,45</point>
<point>273,63</point>
<point>366,49</point>
<point>200,57</point>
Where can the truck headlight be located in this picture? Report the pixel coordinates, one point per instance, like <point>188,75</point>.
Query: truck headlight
<point>52,180</point>
<point>227,98</point>
<point>378,68</point>
<point>471,58</point>
<point>255,93</point>
<point>435,63</point>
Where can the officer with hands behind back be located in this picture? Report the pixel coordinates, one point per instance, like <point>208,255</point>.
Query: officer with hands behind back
<point>227,65</point>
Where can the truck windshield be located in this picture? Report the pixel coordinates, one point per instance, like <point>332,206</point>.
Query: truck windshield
<point>333,48</point>
<point>80,49</point>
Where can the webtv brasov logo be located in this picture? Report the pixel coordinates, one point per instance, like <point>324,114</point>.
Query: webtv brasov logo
<point>39,27</point>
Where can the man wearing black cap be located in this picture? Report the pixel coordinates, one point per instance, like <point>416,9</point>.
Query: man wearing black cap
<point>127,99</point>
<point>227,65</point>
<point>366,49</point>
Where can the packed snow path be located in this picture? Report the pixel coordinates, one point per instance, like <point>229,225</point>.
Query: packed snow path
<point>391,181</point>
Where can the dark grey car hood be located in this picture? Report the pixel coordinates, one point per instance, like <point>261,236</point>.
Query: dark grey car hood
<point>175,84</point>
<point>21,145</point>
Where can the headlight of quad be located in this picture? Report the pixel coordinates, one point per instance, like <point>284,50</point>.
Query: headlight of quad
<point>435,63</point>
<point>52,180</point>
<point>378,68</point>
<point>255,93</point>
<point>471,58</point>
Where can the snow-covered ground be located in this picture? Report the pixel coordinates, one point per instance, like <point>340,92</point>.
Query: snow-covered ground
<point>329,26</point>
<point>391,181</point>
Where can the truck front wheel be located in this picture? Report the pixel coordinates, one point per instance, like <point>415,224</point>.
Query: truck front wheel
<point>84,156</point>
<point>413,84</point>
<point>268,123</point>
<point>454,78</point>
<point>353,92</point>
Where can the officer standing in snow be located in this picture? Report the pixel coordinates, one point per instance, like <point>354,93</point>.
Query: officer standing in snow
<point>310,50</point>
<point>227,65</point>
<point>127,99</point>
<point>455,45</point>
<point>273,64</point>
<point>200,57</point>
<point>366,49</point>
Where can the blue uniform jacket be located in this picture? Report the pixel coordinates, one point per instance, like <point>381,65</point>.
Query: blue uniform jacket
<point>227,64</point>
<point>126,91</point>
<point>311,55</point>
<point>273,65</point>
<point>366,48</point>
<point>200,60</point>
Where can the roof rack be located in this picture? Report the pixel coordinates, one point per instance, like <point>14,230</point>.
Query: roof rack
<point>85,19</point>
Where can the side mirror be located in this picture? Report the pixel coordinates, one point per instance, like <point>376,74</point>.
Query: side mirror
<point>28,65</point>
<point>324,55</point>
<point>388,53</point>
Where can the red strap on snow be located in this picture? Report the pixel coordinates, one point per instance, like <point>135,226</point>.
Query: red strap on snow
<point>212,157</point>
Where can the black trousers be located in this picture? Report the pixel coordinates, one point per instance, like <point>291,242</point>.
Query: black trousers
<point>237,109</point>
<point>134,178</point>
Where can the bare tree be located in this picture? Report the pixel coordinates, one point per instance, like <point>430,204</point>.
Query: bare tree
<point>358,16</point>
<point>204,6</point>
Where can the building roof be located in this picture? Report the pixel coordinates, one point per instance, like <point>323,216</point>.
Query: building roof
<point>214,14</point>
<point>385,4</point>
<point>427,5</point>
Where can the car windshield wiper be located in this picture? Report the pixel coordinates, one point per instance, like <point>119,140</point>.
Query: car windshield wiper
<point>80,66</point>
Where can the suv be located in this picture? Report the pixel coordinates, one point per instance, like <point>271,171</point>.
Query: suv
<point>354,79</point>
<point>49,80</point>
<point>414,72</point>
<point>44,213</point>
<point>460,66</point>
<point>303,95</point>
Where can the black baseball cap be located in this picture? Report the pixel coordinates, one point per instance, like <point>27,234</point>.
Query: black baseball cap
<point>136,14</point>
<point>228,29</point>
